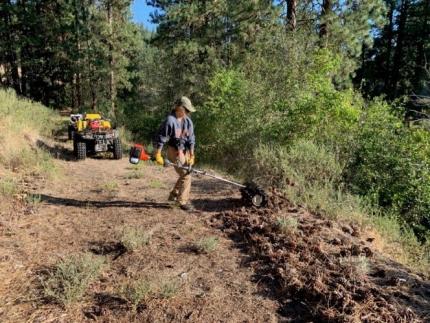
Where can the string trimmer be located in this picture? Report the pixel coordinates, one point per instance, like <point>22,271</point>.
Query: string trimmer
<point>251,193</point>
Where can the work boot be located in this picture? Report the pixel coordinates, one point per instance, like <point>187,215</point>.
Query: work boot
<point>187,207</point>
<point>172,197</point>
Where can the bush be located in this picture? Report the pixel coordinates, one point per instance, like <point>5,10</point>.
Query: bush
<point>303,163</point>
<point>391,166</point>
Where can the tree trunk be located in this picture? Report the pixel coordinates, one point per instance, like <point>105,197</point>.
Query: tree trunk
<point>389,39</point>
<point>112,84</point>
<point>291,15</point>
<point>324,28</point>
<point>422,38</point>
<point>78,71</point>
<point>398,53</point>
<point>11,56</point>
<point>22,7</point>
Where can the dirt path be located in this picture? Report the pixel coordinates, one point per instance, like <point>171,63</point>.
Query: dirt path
<point>86,209</point>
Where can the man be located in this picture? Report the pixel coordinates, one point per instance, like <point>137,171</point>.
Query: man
<point>178,132</point>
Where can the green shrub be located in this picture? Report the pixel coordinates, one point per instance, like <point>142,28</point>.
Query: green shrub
<point>70,277</point>
<point>391,166</point>
<point>304,163</point>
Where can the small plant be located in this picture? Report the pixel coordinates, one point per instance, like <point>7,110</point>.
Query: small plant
<point>357,267</point>
<point>136,168</point>
<point>110,187</point>
<point>33,200</point>
<point>135,292</point>
<point>70,277</point>
<point>155,183</point>
<point>134,238</point>
<point>8,187</point>
<point>135,174</point>
<point>168,289</point>
<point>206,245</point>
<point>287,225</point>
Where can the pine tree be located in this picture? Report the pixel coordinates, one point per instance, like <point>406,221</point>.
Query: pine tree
<point>201,36</point>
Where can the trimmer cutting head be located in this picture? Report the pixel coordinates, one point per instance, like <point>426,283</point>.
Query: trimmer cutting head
<point>254,195</point>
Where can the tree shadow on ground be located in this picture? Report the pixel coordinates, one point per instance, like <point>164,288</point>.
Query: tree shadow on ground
<point>219,205</point>
<point>56,151</point>
<point>107,248</point>
<point>106,301</point>
<point>102,204</point>
<point>212,186</point>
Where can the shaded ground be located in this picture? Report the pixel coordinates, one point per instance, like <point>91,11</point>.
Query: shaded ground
<point>314,270</point>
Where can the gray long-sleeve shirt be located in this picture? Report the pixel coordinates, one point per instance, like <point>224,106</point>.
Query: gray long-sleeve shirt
<point>179,135</point>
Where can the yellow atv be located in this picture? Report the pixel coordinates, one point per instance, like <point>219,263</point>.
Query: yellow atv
<point>92,134</point>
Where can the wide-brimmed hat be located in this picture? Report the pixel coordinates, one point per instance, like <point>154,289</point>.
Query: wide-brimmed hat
<point>186,103</point>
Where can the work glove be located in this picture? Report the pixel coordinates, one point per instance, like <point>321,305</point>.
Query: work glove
<point>191,160</point>
<point>158,158</point>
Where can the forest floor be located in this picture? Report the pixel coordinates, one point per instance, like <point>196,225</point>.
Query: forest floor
<point>278,264</point>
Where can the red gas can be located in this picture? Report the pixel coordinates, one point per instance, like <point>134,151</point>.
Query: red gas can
<point>138,153</point>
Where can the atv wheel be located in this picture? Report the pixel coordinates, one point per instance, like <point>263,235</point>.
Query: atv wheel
<point>117,148</point>
<point>81,150</point>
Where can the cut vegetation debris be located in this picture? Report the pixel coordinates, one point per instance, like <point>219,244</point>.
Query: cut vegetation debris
<point>325,272</point>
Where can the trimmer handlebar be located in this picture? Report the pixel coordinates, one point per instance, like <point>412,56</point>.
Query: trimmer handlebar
<point>191,169</point>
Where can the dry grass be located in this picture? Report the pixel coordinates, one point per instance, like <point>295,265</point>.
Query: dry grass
<point>21,123</point>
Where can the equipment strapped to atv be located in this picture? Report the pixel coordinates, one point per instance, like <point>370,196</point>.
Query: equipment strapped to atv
<point>251,193</point>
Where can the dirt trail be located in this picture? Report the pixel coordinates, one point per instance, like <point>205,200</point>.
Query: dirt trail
<point>84,211</point>
<point>314,270</point>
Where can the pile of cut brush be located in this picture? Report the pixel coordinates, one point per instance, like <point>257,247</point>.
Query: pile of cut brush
<point>324,271</point>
